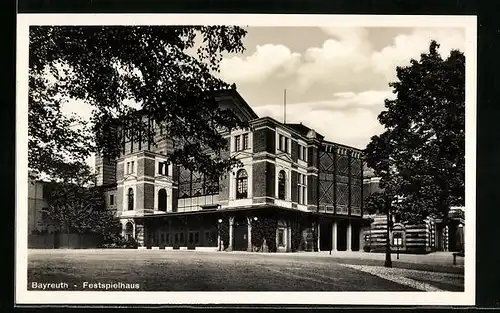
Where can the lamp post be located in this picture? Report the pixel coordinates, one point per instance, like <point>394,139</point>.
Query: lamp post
<point>255,218</point>
<point>218,234</point>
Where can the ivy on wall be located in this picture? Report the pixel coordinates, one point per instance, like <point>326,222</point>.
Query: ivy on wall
<point>224,232</point>
<point>265,228</point>
<point>296,229</point>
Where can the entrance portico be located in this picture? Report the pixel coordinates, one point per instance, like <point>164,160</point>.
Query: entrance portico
<point>269,229</point>
<point>339,234</point>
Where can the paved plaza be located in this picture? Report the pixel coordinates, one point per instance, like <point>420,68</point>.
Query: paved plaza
<point>160,270</point>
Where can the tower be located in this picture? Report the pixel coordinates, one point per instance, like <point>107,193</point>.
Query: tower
<point>105,169</point>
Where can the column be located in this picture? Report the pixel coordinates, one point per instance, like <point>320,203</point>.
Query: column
<point>349,236</point>
<point>289,238</point>
<point>249,234</point>
<point>334,236</point>
<point>230,245</point>
<point>319,236</point>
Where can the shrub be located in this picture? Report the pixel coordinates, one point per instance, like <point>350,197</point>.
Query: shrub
<point>131,243</point>
<point>366,248</point>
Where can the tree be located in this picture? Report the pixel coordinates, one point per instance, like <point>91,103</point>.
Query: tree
<point>421,155</point>
<point>160,69</point>
<point>375,203</point>
<point>82,210</point>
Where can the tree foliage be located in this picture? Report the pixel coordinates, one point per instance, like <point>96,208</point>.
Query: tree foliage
<point>421,155</point>
<point>168,72</point>
<point>375,203</point>
<point>76,209</point>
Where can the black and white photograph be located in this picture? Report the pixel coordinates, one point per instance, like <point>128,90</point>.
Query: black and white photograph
<point>245,159</point>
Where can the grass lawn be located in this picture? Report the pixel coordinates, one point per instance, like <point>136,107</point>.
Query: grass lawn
<point>159,270</point>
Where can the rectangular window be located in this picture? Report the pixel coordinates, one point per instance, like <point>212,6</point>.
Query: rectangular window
<point>245,141</point>
<point>301,188</point>
<point>111,199</point>
<point>284,144</point>
<point>176,238</point>
<point>132,169</point>
<point>237,142</point>
<point>163,168</point>
<point>302,153</point>
<point>181,237</point>
<point>127,170</point>
<point>191,237</point>
<point>167,239</point>
<point>197,238</point>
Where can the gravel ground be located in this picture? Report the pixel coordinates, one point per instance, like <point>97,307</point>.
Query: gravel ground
<point>158,270</point>
<point>421,280</point>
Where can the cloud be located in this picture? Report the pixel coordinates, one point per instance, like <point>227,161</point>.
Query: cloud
<point>356,35</point>
<point>345,61</point>
<point>348,117</point>
<point>406,47</point>
<point>342,101</point>
<point>337,87</point>
<point>268,59</point>
<point>354,127</point>
<point>335,62</point>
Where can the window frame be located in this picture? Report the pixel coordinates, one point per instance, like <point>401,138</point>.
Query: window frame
<point>163,168</point>
<point>239,181</point>
<point>284,143</point>
<point>282,184</point>
<point>160,200</point>
<point>301,188</point>
<point>245,142</point>
<point>130,199</point>
<point>237,143</point>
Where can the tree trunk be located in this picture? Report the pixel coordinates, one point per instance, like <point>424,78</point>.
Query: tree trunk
<point>388,261</point>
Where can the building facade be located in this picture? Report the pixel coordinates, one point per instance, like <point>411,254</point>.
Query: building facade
<point>294,191</point>
<point>428,236</point>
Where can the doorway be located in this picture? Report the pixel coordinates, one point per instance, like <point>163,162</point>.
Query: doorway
<point>240,232</point>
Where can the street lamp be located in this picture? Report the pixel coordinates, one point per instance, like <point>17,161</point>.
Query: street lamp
<point>218,234</point>
<point>255,218</point>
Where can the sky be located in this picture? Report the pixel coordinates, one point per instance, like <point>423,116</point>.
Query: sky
<point>336,78</point>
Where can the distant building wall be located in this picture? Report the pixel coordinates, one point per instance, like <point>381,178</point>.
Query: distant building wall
<point>36,203</point>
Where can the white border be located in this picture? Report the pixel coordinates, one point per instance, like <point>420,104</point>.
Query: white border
<point>23,296</point>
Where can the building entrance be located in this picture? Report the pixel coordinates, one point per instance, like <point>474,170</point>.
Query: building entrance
<point>240,232</point>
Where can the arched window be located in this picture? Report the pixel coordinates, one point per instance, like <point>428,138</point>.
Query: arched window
<point>281,185</point>
<point>162,200</point>
<point>129,230</point>
<point>241,184</point>
<point>130,199</point>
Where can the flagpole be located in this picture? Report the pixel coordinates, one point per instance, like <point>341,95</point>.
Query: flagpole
<point>284,107</point>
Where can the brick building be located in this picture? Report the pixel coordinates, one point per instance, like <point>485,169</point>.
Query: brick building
<point>294,191</point>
